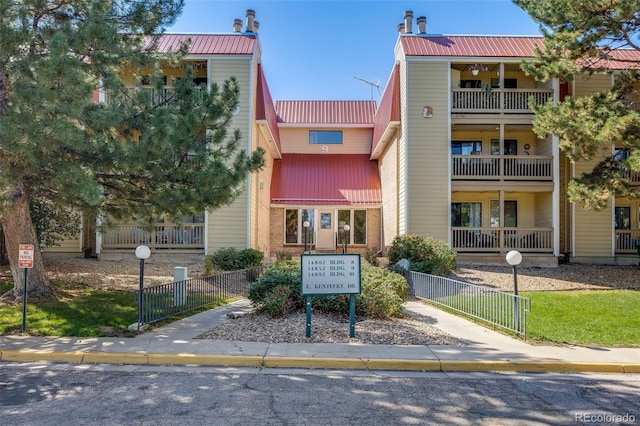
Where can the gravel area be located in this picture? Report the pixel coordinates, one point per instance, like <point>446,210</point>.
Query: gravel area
<point>401,331</point>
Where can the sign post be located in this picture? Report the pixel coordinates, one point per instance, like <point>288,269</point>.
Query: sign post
<point>25,260</point>
<point>328,274</point>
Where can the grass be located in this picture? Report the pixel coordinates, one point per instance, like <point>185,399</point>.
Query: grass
<point>609,318</point>
<point>79,311</point>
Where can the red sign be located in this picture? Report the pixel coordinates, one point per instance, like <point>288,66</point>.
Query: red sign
<point>25,256</point>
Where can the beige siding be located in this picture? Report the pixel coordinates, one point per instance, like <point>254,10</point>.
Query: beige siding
<point>543,205</point>
<point>593,234</point>
<point>388,165</point>
<point>588,84</point>
<point>72,245</point>
<point>228,226</point>
<point>402,153</point>
<point>354,141</point>
<point>428,150</point>
<point>592,230</point>
<point>261,224</point>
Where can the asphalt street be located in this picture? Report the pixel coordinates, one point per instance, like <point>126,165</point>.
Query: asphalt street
<point>56,394</point>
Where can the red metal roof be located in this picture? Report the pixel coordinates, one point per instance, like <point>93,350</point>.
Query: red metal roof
<point>326,112</point>
<point>265,109</point>
<point>389,109</point>
<point>325,179</point>
<point>208,44</point>
<point>485,46</point>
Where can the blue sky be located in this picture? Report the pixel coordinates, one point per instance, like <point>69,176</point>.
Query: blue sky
<point>313,50</point>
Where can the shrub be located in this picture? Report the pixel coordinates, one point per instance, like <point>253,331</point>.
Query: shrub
<point>281,274</point>
<point>278,292</point>
<point>232,259</point>
<point>425,254</point>
<point>371,255</point>
<point>283,255</point>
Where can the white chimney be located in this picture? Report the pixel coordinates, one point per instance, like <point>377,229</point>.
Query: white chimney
<point>256,25</point>
<point>408,21</point>
<point>251,14</point>
<point>422,25</point>
<point>237,25</point>
<point>401,27</point>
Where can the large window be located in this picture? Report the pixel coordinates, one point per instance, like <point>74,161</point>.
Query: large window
<point>325,137</point>
<point>294,226</point>
<point>510,146</point>
<point>623,217</point>
<point>357,221</point>
<point>466,147</point>
<point>466,214</point>
<point>510,214</point>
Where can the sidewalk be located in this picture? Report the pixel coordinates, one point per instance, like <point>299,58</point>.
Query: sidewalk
<point>174,344</point>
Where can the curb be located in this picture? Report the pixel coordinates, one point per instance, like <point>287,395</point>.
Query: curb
<point>258,361</point>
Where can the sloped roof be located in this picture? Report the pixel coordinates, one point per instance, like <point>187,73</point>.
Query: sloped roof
<point>265,109</point>
<point>325,179</point>
<point>471,46</point>
<point>326,112</point>
<point>389,109</point>
<point>208,44</point>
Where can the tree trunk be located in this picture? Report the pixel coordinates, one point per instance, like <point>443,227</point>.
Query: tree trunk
<point>18,229</point>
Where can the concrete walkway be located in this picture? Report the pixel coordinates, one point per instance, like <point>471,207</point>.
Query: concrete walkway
<point>175,344</point>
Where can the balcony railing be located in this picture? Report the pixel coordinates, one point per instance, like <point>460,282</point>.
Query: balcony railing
<point>498,167</point>
<point>161,236</point>
<point>500,240</point>
<point>627,241</point>
<point>156,96</point>
<point>497,100</point>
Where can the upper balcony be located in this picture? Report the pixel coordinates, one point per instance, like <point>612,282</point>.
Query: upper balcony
<point>498,167</point>
<point>497,101</point>
<point>155,96</point>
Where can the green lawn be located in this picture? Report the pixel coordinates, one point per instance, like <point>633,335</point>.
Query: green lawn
<point>77,311</point>
<point>606,318</point>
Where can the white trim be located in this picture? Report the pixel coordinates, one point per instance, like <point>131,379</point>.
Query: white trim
<point>206,232</point>
<point>250,112</point>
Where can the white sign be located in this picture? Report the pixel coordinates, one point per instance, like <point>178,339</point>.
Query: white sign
<point>330,274</point>
<point>25,256</point>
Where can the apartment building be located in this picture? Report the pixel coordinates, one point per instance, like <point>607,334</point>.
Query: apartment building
<point>448,152</point>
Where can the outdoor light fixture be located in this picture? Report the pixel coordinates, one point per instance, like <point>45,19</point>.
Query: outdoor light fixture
<point>514,258</point>
<point>305,226</point>
<point>345,232</point>
<point>142,253</point>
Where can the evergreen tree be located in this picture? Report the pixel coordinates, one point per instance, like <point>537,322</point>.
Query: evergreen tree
<point>133,157</point>
<point>591,36</point>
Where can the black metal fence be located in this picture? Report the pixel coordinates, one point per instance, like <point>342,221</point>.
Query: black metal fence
<point>165,300</point>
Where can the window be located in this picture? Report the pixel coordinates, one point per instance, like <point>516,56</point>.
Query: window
<point>357,221</point>
<point>509,83</point>
<point>510,146</point>
<point>465,147</point>
<point>294,221</point>
<point>510,214</point>
<point>466,214</point>
<point>325,137</point>
<point>623,217</point>
<point>470,84</point>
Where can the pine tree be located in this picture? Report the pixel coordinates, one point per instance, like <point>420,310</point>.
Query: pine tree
<point>588,37</point>
<point>133,157</point>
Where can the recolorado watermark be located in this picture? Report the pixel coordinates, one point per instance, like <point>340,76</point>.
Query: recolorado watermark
<point>605,418</point>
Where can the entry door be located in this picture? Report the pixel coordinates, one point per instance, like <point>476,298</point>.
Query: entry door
<point>326,239</point>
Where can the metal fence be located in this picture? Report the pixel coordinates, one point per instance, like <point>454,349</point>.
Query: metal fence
<point>505,310</point>
<point>165,300</point>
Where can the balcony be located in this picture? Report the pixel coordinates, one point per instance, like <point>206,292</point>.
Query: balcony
<point>161,236</point>
<point>627,241</point>
<point>501,240</point>
<point>497,101</point>
<point>498,167</point>
<point>156,96</point>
